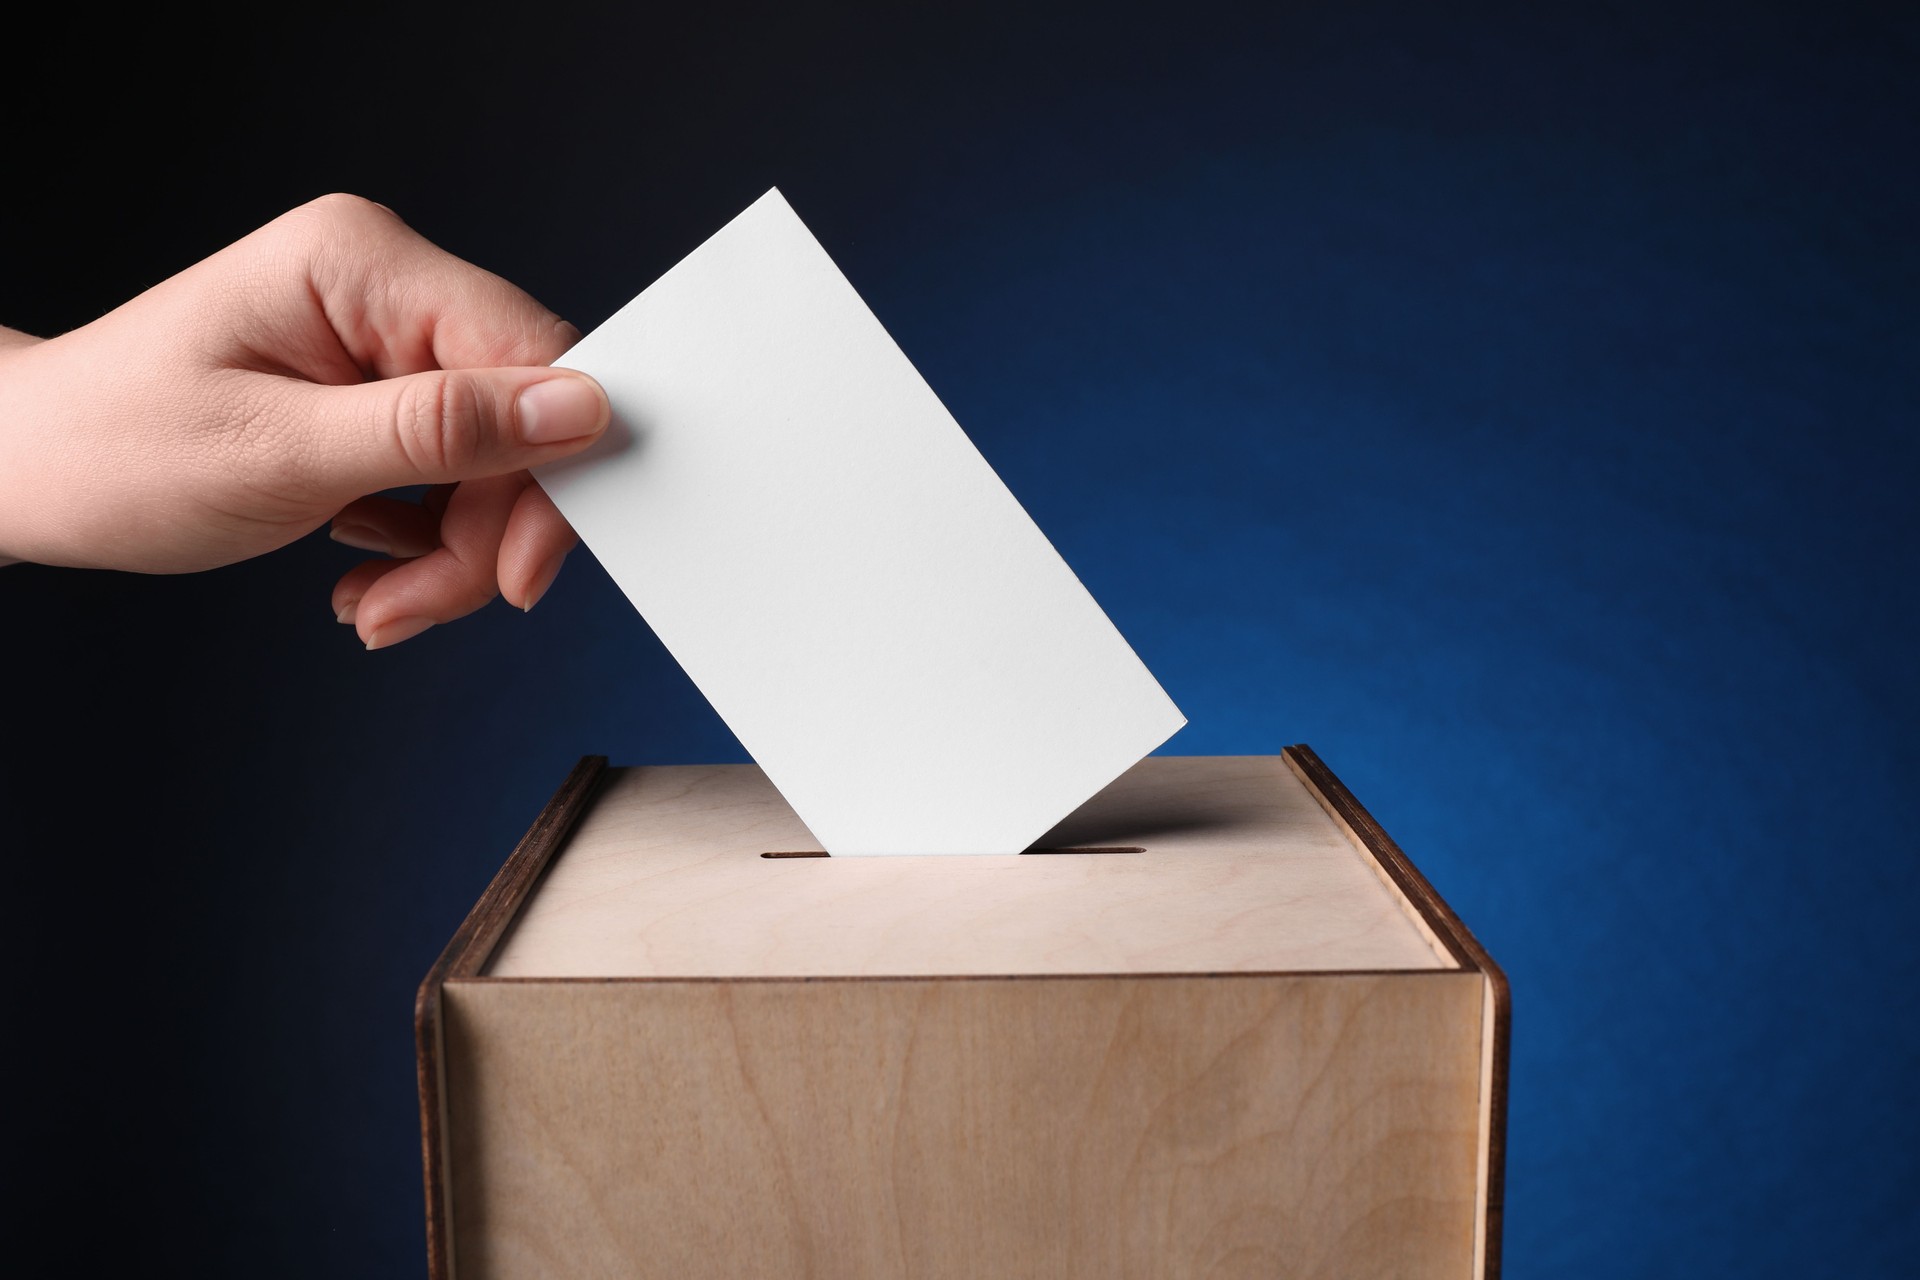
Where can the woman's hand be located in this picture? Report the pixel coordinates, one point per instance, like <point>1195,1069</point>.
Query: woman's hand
<point>274,387</point>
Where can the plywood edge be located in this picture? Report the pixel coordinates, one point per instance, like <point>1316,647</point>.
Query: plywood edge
<point>1451,933</point>
<point>465,956</point>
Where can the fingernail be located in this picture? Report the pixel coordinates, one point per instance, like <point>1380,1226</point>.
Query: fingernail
<point>559,409</point>
<point>348,611</point>
<point>361,537</point>
<point>541,582</point>
<point>394,632</point>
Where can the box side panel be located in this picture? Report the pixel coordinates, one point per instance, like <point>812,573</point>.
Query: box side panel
<point>1496,1037</point>
<point>1290,1126</point>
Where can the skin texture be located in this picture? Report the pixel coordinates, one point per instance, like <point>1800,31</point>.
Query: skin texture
<point>281,384</point>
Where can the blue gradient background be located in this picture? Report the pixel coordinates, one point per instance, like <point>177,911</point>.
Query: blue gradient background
<point>1516,403</point>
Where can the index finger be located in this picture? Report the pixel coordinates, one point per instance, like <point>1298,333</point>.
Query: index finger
<point>400,304</point>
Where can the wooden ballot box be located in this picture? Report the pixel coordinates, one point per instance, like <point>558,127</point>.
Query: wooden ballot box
<point>1216,1025</point>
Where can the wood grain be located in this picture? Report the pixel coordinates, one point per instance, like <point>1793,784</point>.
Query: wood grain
<point>1279,1127</point>
<point>1242,871</point>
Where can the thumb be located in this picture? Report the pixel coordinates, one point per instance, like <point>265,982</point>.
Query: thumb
<point>451,424</point>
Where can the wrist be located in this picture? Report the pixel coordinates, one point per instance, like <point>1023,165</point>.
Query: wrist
<point>12,342</point>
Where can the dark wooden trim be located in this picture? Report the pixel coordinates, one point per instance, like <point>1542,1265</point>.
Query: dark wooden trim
<point>465,956</point>
<point>1459,941</point>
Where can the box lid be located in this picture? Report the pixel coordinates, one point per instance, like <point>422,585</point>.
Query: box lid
<point>1238,869</point>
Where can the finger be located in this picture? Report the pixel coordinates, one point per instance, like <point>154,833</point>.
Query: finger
<point>534,546</point>
<point>450,581</point>
<point>431,428</point>
<point>388,526</point>
<point>353,585</point>
<point>400,304</point>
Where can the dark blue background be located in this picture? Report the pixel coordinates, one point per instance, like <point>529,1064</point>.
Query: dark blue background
<point>1517,404</point>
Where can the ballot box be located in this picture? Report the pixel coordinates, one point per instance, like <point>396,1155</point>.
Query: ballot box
<point>1215,1024</point>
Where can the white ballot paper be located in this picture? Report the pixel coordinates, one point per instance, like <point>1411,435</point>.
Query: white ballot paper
<point>813,537</point>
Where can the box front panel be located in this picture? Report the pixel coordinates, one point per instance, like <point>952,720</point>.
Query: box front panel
<point>1286,1125</point>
